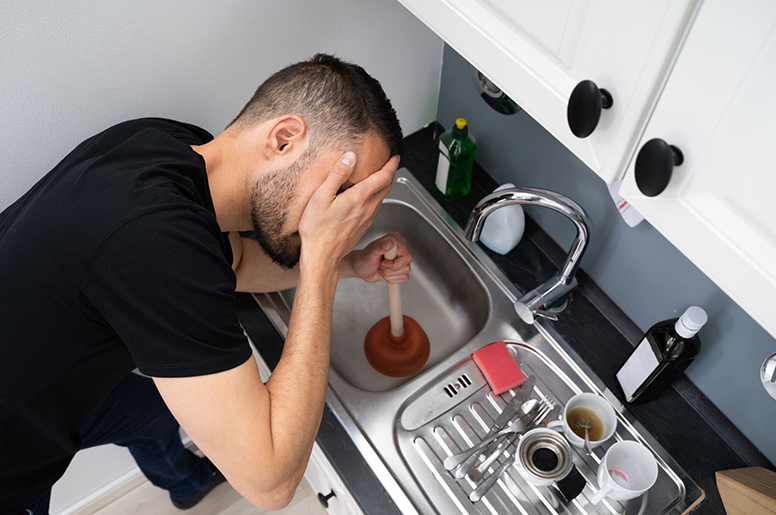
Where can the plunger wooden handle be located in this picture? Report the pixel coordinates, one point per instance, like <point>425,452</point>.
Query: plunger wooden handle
<point>394,296</point>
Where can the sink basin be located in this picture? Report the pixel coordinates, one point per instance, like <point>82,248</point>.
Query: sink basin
<point>404,427</point>
<point>444,295</point>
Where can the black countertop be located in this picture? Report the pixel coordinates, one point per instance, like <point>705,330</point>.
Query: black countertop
<point>691,429</point>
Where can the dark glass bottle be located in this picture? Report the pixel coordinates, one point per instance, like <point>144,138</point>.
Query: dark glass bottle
<point>666,350</point>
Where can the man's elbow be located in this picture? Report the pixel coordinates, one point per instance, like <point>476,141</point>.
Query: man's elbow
<point>275,498</point>
<point>281,500</point>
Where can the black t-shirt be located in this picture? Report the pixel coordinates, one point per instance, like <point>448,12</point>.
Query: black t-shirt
<point>113,260</point>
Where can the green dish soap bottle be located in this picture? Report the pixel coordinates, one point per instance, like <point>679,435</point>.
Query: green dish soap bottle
<point>457,149</point>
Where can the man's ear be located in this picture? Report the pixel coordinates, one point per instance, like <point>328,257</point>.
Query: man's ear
<point>287,135</point>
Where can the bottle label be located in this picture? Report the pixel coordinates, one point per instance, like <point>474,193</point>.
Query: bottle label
<point>443,168</point>
<point>637,369</point>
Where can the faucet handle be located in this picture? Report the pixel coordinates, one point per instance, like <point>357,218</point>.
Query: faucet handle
<point>537,304</point>
<point>524,312</point>
<point>529,315</point>
<point>546,314</point>
<point>552,313</point>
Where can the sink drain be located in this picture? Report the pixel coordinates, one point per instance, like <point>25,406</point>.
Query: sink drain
<point>462,382</point>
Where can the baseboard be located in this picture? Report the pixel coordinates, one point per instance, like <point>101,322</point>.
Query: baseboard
<point>123,484</point>
<point>107,494</point>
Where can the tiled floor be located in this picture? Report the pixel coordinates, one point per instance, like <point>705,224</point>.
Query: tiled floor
<point>147,499</point>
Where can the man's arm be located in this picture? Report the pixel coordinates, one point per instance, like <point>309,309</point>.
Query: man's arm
<point>256,273</point>
<point>260,436</point>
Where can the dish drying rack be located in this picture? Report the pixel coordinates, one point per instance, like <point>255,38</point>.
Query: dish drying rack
<point>467,423</point>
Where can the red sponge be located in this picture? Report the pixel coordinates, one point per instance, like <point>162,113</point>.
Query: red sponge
<point>499,367</point>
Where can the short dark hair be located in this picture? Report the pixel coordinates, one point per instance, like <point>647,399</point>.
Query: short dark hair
<point>339,101</point>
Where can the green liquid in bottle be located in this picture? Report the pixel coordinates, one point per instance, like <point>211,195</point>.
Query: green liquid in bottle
<point>457,149</point>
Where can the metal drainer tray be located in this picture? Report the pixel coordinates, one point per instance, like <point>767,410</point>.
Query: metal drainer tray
<point>425,443</point>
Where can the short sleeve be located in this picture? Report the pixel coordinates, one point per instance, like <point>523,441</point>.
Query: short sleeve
<point>163,284</point>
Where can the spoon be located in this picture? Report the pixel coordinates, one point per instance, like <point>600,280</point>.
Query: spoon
<point>586,424</point>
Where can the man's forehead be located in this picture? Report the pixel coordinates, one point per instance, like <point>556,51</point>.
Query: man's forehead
<point>371,157</point>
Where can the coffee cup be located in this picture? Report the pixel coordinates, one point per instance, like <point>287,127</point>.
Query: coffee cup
<point>628,470</point>
<point>597,405</point>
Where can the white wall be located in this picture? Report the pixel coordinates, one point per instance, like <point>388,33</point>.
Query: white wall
<point>70,69</point>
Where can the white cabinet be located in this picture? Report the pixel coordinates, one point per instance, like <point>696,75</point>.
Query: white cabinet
<point>719,108</point>
<point>324,480</point>
<point>697,75</point>
<point>537,52</point>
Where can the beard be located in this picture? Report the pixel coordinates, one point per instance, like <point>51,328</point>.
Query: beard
<point>271,197</point>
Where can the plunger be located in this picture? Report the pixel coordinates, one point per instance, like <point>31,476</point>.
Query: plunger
<point>396,345</point>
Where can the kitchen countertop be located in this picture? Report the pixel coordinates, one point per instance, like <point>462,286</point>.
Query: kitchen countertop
<point>698,436</point>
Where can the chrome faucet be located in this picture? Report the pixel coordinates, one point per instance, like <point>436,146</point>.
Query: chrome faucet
<point>551,297</point>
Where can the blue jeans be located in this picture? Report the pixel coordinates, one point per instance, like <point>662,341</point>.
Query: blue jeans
<point>135,416</point>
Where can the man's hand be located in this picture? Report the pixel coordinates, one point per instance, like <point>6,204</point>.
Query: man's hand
<point>332,223</point>
<point>330,226</point>
<point>368,264</point>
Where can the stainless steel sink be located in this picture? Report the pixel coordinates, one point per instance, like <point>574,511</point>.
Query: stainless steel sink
<point>446,298</point>
<point>405,427</point>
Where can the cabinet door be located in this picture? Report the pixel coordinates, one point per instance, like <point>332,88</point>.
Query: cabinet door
<point>323,480</point>
<point>351,508</point>
<point>537,52</point>
<point>719,109</point>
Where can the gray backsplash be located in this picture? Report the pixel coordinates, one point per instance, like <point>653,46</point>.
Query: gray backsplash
<point>638,268</point>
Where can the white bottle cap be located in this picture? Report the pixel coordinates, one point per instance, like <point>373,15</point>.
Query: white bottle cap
<point>691,322</point>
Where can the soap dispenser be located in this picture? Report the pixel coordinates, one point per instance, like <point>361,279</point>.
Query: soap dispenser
<point>457,149</point>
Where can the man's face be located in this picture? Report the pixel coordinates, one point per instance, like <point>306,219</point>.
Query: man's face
<point>279,197</point>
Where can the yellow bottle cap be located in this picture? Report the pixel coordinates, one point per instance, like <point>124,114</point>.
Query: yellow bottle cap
<point>460,123</point>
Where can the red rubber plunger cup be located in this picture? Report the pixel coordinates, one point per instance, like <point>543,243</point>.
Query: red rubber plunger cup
<point>396,345</point>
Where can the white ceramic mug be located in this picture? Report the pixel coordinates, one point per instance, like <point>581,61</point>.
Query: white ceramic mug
<point>595,403</point>
<point>628,470</point>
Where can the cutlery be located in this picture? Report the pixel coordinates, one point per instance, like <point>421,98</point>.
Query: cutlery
<point>586,424</point>
<point>524,423</point>
<point>456,459</point>
<point>484,487</point>
<point>510,410</point>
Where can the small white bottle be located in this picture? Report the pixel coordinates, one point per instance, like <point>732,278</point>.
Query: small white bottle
<point>504,227</point>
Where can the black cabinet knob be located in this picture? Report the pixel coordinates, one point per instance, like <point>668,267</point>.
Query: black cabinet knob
<point>584,110</point>
<point>324,499</point>
<point>654,166</point>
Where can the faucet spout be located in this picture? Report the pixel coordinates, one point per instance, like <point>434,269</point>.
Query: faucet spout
<point>550,297</point>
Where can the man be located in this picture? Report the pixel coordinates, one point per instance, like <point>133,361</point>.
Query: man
<point>116,260</point>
